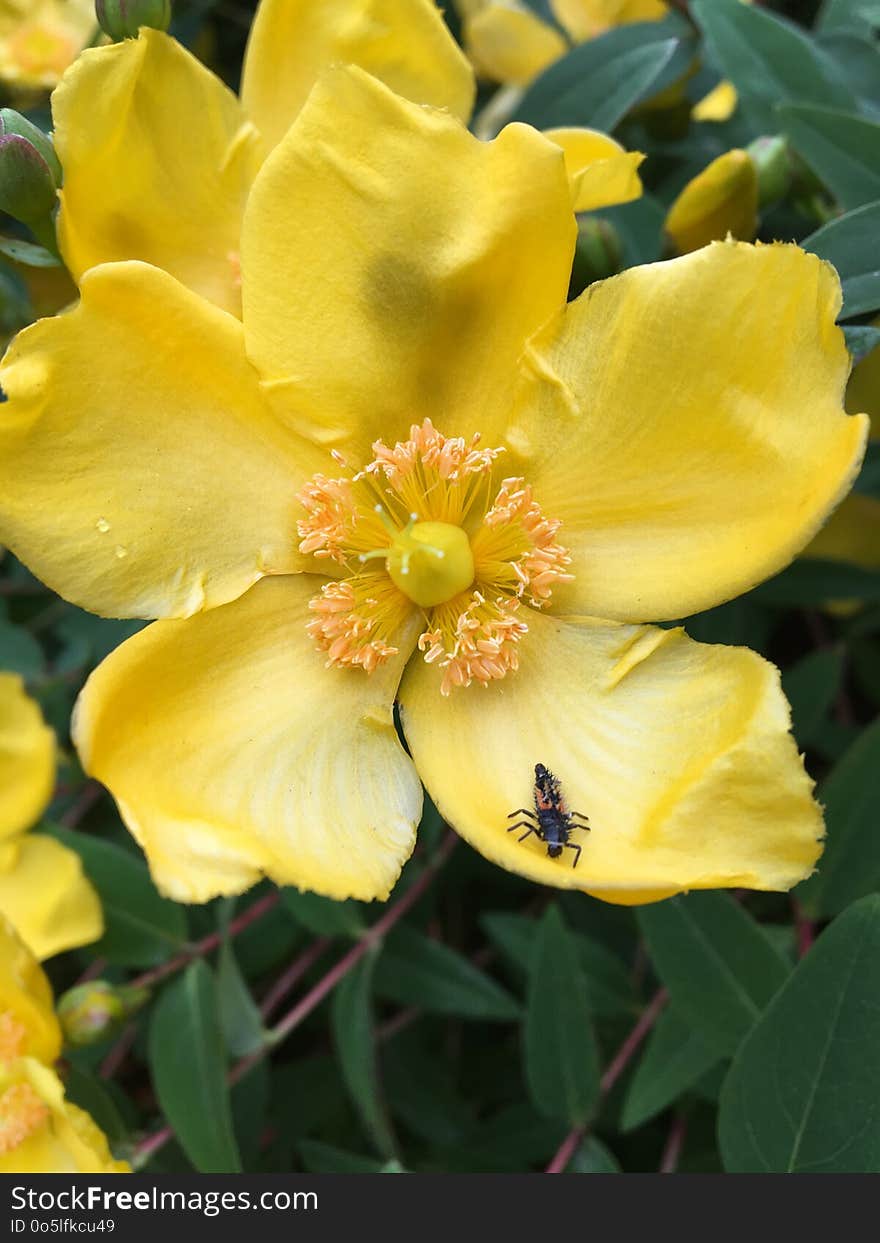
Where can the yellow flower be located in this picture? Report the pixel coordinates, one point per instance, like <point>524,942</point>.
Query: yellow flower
<point>509,43</point>
<point>40,38</point>
<point>721,200</point>
<point>159,156</point>
<point>28,1026</point>
<point>409,387</point>
<point>42,887</point>
<point>41,1132</point>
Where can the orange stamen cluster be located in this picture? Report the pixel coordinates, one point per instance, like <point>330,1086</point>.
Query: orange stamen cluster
<point>12,1036</point>
<point>430,478</point>
<point>21,1113</point>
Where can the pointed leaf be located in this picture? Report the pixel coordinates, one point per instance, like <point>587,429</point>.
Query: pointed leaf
<point>354,1038</point>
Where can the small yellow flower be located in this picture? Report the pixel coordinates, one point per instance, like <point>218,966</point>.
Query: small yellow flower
<point>41,1132</point>
<point>721,200</point>
<point>159,156</point>
<point>43,890</point>
<point>28,1026</point>
<point>407,405</point>
<point>509,43</point>
<point>40,38</point>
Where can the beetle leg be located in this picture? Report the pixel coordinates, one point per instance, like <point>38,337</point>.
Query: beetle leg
<point>526,834</point>
<point>577,850</point>
<point>521,811</point>
<point>522,824</point>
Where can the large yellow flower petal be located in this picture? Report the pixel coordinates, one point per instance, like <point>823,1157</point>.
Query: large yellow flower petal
<point>601,172</point>
<point>721,200</point>
<point>141,472</point>
<point>158,160</point>
<point>394,265</point>
<point>407,45</point>
<point>28,1025</point>
<point>46,896</point>
<point>41,1132</point>
<point>510,44</point>
<point>232,752</point>
<point>27,758</point>
<point>678,753</point>
<point>684,421</point>
<point>584,19</point>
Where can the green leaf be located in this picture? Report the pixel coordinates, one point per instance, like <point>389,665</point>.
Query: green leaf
<point>719,967</point>
<point>188,1068</point>
<point>856,61</point>
<point>850,243</point>
<point>842,149</point>
<point>416,971</point>
<point>592,1157</point>
<point>321,1158</point>
<point>20,652</point>
<point>850,865</point>
<point>768,59</point>
<point>675,1058</point>
<point>87,1091</point>
<point>801,1096</point>
<point>240,1018</point>
<point>598,82</point>
<point>28,253</point>
<point>353,1036</point>
<point>323,916</point>
<point>861,339</point>
<point>848,15</point>
<point>809,580</point>
<point>561,1059</point>
<point>609,984</point>
<point>141,927</point>
<point>810,687</point>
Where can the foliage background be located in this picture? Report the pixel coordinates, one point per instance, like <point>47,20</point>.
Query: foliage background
<point>498,1026</point>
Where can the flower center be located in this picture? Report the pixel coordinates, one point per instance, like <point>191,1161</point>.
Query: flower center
<point>427,523</point>
<point>39,49</point>
<point>21,1113</point>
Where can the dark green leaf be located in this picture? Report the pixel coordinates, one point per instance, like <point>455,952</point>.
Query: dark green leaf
<point>810,687</point>
<point>861,340</point>
<point>141,927</point>
<point>87,1091</point>
<point>323,916</point>
<point>249,1099</point>
<point>355,1046</point>
<point>188,1068</point>
<point>769,60</point>
<point>856,60</point>
<point>848,15</point>
<point>321,1158</point>
<point>592,1157</point>
<point>850,865</point>
<point>561,1059</point>
<point>719,967</point>
<point>675,1058</point>
<point>801,1096</point>
<point>20,652</point>
<point>609,985</point>
<point>842,149</point>
<point>416,971</point>
<point>239,1015</point>
<point>28,253</point>
<point>598,82</point>
<point>850,243</point>
<point>809,580</point>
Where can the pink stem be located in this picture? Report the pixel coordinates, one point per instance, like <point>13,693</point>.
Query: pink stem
<point>284,984</point>
<point>674,1144</point>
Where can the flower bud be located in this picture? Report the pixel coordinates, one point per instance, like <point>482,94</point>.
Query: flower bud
<point>598,253</point>
<point>12,122</point>
<point>27,186</point>
<point>122,19</point>
<point>89,1012</point>
<point>722,199</point>
<point>772,160</point>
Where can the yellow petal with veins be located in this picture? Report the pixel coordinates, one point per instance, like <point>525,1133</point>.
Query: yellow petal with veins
<point>679,753</point>
<point>46,896</point>
<point>406,45</point>
<point>421,261</point>
<point>158,160</point>
<point>27,758</point>
<point>685,422</point>
<point>511,44</point>
<point>234,753</point>
<point>28,1026</point>
<point>601,172</point>
<point>141,471</point>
